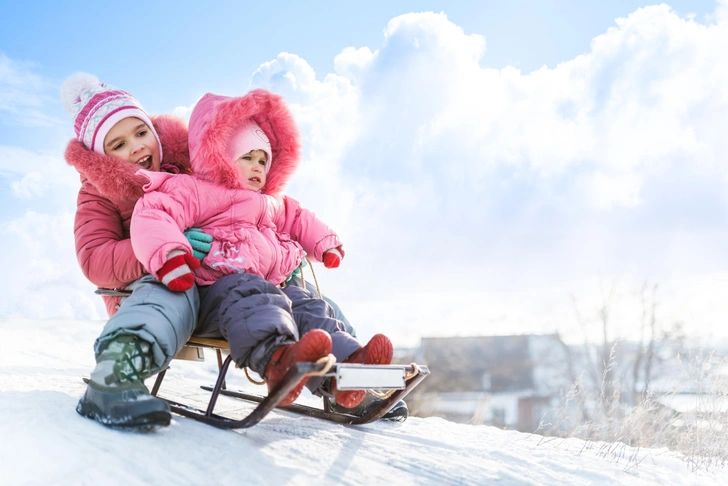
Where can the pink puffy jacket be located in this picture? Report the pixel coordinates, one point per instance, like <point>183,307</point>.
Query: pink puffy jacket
<point>109,190</point>
<point>264,233</point>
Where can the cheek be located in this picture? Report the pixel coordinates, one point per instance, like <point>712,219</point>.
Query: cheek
<point>124,154</point>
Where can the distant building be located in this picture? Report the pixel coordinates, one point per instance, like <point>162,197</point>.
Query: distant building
<point>505,381</point>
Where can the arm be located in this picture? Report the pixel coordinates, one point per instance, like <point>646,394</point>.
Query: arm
<point>158,220</point>
<point>103,251</point>
<point>313,234</point>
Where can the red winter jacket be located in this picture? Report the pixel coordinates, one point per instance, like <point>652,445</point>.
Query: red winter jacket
<point>109,190</point>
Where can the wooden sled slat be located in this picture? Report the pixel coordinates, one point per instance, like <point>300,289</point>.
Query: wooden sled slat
<point>208,343</point>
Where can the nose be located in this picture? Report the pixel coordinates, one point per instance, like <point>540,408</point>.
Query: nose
<point>137,146</point>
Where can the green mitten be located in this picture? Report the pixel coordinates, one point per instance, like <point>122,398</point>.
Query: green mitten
<point>200,242</point>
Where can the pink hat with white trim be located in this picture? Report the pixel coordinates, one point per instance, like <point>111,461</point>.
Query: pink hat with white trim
<point>96,107</point>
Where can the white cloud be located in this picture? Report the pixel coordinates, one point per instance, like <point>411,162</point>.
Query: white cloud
<point>23,94</point>
<point>608,190</point>
<point>485,177</point>
<point>34,175</point>
<point>43,279</point>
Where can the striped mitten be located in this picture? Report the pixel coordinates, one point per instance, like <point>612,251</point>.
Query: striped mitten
<point>176,273</point>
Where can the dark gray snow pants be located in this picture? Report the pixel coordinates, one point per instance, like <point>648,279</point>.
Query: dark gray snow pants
<point>256,317</point>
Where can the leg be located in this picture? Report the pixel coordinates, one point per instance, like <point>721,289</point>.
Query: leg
<point>151,326</point>
<point>338,313</point>
<point>256,319</point>
<point>310,312</point>
<point>156,315</point>
<point>251,313</point>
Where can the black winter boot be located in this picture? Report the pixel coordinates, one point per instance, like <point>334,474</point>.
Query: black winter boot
<point>116,395</point>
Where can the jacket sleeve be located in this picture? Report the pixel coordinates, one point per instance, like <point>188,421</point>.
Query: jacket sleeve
<point>303,226</point>
<point>103,251</point>
<point>158,222</point>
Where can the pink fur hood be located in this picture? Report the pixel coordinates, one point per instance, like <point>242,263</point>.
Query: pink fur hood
<point>116,179</point>
<point>215,119</point>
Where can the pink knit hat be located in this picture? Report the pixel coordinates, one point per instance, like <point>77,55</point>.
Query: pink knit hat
<point>96,107</point>
<point>249,137</point>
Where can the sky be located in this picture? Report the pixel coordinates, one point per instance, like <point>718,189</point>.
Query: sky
<point>44,441</point>
<point>492,167</point>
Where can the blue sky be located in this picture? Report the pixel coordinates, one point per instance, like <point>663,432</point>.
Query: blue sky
<point>485,163</point>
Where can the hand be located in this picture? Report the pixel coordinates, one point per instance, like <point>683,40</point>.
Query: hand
<point>176,273</point>
<point>200,242</point>
<point>332,258</point>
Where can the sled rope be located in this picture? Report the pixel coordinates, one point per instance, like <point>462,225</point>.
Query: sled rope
<point>318,289</point>
<point>328,361</point>
<point>415,371</point>
<point>250,379</point>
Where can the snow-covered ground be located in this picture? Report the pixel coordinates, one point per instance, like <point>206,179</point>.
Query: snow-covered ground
<point>43,440</point>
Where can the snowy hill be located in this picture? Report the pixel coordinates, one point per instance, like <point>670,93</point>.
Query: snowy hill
<point>44,441</point>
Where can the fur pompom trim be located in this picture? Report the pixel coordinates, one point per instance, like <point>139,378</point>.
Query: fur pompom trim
<point>172,132</point>
<point>74,86</point>
<point>271,114</point>
<point>116,179</point>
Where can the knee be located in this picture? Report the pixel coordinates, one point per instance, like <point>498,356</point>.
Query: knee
<point>298,294</point>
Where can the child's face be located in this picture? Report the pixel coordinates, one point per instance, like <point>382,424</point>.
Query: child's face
<point>132,140</point>
<point>251,167</point>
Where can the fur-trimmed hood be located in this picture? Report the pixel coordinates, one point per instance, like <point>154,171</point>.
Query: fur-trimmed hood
<point>215,119</point>
<point>116,179</point>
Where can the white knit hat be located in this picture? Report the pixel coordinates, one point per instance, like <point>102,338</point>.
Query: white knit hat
<point>96,107</point>
<point>247,137</point>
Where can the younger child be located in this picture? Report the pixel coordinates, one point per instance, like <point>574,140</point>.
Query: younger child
<point>115,137</point>
<point>243,150</point>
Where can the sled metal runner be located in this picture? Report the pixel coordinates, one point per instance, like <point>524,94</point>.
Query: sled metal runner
<point>398,379</point>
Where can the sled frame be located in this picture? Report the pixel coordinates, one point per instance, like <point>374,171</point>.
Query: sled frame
<point>414,373</point>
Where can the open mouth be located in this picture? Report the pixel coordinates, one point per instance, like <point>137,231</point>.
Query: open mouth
<point>255,179</point>
<point>145,162</point>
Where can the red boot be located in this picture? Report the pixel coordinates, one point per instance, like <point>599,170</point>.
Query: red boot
<point>313,346</point>
<point>377,351</point>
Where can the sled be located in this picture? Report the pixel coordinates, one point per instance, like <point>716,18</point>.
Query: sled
<point>390,382</point>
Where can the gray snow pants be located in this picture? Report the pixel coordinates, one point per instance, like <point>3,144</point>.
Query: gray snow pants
<point>163,318</point>
<point>256,317</point>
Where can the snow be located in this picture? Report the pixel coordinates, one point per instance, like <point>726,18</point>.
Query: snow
<point>44,441</point>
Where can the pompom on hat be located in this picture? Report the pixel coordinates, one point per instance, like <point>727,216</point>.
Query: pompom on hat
<point>96,107</point>
<point>249,136</point>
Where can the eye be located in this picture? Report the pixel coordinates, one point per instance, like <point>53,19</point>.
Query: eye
<point>262,162</point>
<point>118,146</point>
<point>142,133</point>
<point>246,157</point>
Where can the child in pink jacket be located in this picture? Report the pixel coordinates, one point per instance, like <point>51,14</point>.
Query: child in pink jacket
<point>243,150</point>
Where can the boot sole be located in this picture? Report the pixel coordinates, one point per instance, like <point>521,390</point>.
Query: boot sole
<point>316,347</point>
<point>379,351</point>
<point>150,420</point>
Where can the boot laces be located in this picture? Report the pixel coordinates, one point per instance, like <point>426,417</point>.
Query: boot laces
<point>132,359</point>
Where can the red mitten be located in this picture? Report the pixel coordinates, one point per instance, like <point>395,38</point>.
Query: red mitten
<point>176,273</point>
<point>332,258</point>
